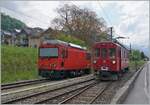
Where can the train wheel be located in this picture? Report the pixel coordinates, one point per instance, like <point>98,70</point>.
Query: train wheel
<point>72,74</point>
<point>80,73</point>
<point>86,71</point>
<point>120,74</point>
<point>62,74</point>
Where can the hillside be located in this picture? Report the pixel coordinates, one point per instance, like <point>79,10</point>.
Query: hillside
<point>9,24</point>
<point>18,63</point>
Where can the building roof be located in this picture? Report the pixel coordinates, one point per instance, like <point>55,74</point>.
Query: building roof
<point>31,32</point>
<point>10,33</point>
<point>5,33</point>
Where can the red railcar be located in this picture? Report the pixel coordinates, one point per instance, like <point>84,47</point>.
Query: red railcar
<point>110,60</point>
<point>58,59</point>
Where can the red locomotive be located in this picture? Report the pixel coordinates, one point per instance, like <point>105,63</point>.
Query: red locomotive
<point>110,60</point>
<point>58,59</point>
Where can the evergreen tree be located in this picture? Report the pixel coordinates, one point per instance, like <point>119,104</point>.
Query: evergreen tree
<point>9,24</point>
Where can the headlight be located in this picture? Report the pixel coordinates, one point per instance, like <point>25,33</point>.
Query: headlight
<point>113,62</point>
<point>94,61</point>
<point>54,65</point>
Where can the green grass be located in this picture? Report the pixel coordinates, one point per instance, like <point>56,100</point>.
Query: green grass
<point>18,63</point>
<point>132,64</point>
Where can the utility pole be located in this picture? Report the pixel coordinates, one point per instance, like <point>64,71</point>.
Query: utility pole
<point>149,47</point>
<point>130,48</point>
<point>111,32</point>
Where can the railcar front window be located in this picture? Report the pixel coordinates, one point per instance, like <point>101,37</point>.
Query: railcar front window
<point>97,52</point>
<point>48,52</point>
<point>104,53</point>
<point>112,53</point>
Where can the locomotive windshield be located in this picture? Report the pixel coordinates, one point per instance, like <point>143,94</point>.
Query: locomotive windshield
<point>48,52</point>
<point>112,53</point>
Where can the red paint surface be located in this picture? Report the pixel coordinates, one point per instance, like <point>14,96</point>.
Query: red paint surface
<point>75,60</point>
<point>121,58</point>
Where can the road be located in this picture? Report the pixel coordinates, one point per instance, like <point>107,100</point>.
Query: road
<point>140,93</point>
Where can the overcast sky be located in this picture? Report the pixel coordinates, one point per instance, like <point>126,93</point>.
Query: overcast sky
<point>129,18</point>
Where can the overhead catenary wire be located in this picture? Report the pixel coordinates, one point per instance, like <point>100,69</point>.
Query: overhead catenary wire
<point>104,12</point>
<point>107,16</point>
<point>108,19</point>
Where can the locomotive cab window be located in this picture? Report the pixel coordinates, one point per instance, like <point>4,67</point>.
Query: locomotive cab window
<point>112,53</point>
<point>48,52</point>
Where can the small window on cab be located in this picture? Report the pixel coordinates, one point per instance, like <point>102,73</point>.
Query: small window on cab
<point>112,53</point>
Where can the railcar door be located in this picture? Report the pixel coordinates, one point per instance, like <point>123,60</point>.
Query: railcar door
<point>112,58</point>
<point>64,57</point>
<point>119,58</point>
<point>97,59</point>
<point>104,59</point>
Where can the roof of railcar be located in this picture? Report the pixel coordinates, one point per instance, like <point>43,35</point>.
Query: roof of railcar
<point>116,43</point>
<point>59,42</point>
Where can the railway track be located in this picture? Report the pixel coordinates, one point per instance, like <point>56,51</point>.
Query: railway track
<point>52,94</point>
<point>83,92</point>
<point>87,95</point>
<point>22,83</point>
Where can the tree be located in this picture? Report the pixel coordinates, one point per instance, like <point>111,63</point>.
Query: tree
<point>82,23</point>
<point>135,55</point>
<point>142,55</point>
<point>9,24</point>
